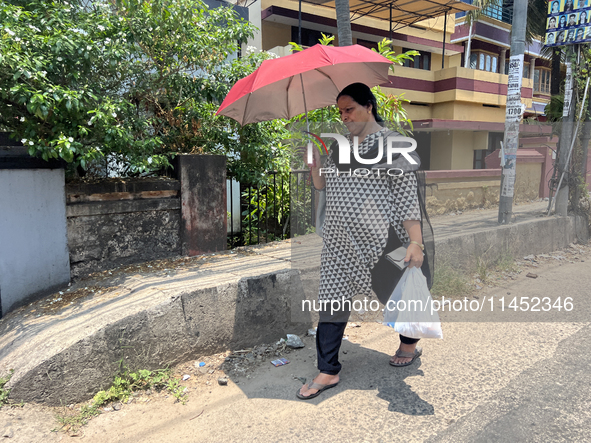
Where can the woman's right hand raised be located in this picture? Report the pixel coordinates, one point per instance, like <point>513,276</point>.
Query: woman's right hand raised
<point>316,163</point>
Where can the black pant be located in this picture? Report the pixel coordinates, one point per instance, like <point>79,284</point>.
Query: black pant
<point>331,327</point>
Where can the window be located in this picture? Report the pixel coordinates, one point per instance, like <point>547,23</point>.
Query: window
<point>421,61</point>
<point>310,37</point>
<point>483,61</point>
<point>367,44</point>
<point>479,155</point>
<point>542,80</point>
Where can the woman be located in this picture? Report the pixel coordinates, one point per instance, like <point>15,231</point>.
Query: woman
<point>568,5</point>
<point>366,217</point>
<point>562,21</point>
<point>552,23</point>
<point>582,18</point>
<point>560,37</point>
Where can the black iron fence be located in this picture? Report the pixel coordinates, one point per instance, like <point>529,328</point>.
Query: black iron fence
<point>282,208</point>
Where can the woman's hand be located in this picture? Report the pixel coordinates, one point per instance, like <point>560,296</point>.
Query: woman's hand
<point>414,253</point>
<point>319,181</point>
<point>303,150</point>
<point>414,256</point>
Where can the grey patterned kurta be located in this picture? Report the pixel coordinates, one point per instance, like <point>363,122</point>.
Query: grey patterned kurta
<point>359,212</point>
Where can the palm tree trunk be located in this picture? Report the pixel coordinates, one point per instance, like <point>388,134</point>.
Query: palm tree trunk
<point>343,22</point>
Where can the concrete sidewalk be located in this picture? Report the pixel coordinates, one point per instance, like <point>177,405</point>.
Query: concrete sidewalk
<point>67,347</point>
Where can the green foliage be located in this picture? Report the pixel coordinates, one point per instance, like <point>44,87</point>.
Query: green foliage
<point>127,382</point>
<point>5,393</point>
<point>391,109</point>
<point>131,81</point>
<point>268,210</point>
<point>124,384</point>
<point>385,49</point>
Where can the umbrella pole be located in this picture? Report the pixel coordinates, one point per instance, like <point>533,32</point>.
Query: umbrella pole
<point>310,156</point>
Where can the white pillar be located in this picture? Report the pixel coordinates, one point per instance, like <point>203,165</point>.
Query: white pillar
<point>502,61</point>
<point>532,67</point>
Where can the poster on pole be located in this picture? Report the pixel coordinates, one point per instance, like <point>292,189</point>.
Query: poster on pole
<point>568,22</point>
<point>508,187</point>
<point>515,76</point>
<point>568,89</point>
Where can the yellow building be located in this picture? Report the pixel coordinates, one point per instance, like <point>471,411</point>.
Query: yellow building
<point>458,112</point>
<point>457,108</point>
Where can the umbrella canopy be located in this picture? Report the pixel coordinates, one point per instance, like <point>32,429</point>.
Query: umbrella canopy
<point>275,89</point>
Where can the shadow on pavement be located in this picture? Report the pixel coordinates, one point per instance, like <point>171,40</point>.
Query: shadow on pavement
<point>364,369</point>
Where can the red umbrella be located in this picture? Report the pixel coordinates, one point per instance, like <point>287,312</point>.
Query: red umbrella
<point>288,86</point>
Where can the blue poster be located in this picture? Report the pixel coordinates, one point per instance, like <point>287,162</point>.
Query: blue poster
<point>568,22</point>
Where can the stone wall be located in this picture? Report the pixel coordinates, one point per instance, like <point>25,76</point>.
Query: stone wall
<point>450,191</point>
<point>122,221</point>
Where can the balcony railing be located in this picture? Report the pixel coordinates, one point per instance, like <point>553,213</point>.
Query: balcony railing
<point>502,10</point>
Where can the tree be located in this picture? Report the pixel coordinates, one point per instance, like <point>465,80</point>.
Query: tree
<point>129,82</point>
<point>343,22</point>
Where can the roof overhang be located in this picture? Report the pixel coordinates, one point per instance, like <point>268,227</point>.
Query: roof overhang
<point>404,12</point>
<point>289,17</point>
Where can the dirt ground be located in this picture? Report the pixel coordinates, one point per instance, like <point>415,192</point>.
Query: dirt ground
<point>248,372</point>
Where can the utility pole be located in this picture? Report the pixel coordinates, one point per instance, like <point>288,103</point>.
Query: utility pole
<point>513,111</point>
<point>566,135</point>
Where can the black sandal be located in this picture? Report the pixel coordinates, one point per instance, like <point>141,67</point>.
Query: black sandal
<point>403,354</point>
<point>313,385</point>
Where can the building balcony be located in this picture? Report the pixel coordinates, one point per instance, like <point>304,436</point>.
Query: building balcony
<point>456,93</point>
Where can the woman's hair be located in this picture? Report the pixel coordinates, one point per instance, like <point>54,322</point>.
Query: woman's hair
<point>560,37</point>
<point>362,95</point>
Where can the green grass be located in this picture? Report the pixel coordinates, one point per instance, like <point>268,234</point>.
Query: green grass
<point>482,269</point>
<point>124,384</point>
<point>506,263</point>
<point>4,393</point>
<point>449,282</point>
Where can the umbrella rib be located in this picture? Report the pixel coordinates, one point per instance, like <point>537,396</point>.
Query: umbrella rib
<point>245,108</point>
<point>328,77</point>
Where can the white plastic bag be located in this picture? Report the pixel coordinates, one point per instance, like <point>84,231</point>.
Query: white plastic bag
<point>410,308</point>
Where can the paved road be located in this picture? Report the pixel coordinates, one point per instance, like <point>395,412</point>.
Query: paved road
<point>485,382</point>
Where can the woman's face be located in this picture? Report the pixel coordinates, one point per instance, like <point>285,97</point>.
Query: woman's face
<point>552,23</point>
<point>353,115</point>
<point>560,38</point>
<point>554,7</point>
<point>550,39</point>
<point>583,18</point>
<point>562,21</point>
